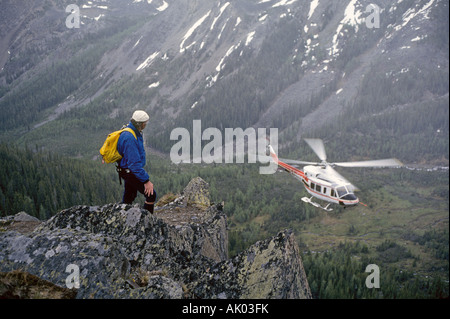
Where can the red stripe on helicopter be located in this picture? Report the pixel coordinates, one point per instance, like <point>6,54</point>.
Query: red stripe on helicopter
<point>287,166</point>
<point>293,169</point>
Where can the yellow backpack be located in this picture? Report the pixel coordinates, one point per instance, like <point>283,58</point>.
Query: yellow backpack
<point>109,149</point>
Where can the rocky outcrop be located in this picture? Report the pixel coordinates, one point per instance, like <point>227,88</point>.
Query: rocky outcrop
<point>22,285</point>
<point>121,251</point>
<point>268,269</point>
<point>196,194</point>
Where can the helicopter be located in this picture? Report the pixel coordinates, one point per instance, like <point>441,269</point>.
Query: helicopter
<point>322,181</point>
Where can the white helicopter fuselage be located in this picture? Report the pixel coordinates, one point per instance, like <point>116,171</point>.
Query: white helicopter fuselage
<point>322,185</point>
<point>322,181</point>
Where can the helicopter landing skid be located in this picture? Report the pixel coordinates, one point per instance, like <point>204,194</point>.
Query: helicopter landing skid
<point>309,201</point>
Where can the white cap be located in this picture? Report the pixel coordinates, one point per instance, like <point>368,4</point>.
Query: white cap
<point>140,116</point>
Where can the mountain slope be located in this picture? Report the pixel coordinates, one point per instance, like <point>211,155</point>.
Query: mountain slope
<point>300,67</point>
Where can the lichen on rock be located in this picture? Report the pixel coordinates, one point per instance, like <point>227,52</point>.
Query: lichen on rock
<point>181,251</point>
<point>196,194</point>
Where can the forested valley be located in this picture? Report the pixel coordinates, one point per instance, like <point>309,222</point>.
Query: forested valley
<point>43,183</point>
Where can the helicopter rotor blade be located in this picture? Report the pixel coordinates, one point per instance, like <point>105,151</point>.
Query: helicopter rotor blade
<point>391,162</point>
<point>317,146</point>
<point>332,171</point>
<point>294,162</point>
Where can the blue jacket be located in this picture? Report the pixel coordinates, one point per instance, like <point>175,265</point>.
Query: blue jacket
<point>133,153</point>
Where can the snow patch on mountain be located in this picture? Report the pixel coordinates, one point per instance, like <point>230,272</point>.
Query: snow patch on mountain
<point>412,14</point>
<point>222,9</point>
<point>163,7</point>
<point>283,3</point>
<point>312,8</point>
<point>191,31</point>
<point>249,38</point>
<point>154,85</point>
<point>352,17</point>
<point>147,61</point>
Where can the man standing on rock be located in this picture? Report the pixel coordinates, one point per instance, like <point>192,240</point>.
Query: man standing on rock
<point>131,166</point>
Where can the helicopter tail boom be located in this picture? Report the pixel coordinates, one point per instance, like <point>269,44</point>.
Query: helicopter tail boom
<point>285,166</point>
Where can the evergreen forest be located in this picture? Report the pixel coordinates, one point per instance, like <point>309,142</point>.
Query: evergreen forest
<point>42,183</point>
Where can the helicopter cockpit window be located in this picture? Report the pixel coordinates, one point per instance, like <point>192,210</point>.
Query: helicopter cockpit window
<point>345,193</point>
<point>349,196</point>
<point>341,191</point>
